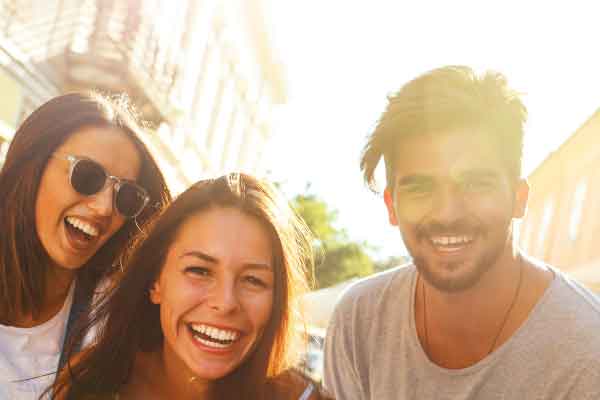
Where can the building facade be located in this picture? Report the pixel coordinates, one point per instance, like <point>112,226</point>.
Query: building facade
<point>562,224</point>
<point>203,73</point>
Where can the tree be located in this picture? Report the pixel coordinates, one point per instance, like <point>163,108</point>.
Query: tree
<point>337,257</point>
<point>390,262</point>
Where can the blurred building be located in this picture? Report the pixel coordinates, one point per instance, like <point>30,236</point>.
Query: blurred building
<point>562,225</point>
<point>202,72</point>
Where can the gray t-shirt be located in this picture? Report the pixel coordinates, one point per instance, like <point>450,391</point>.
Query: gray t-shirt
<point>372,350</point>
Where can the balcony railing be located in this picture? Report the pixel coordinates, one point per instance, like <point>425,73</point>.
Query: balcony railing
<point>106,44</point>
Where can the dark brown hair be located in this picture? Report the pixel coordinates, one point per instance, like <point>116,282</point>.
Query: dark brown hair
<point>130,322</point>
<point>451,97</point>
<point>23,259</point>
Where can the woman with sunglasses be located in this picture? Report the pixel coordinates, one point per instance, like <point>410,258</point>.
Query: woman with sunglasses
<point>206,308</point>
<point>77,183</point>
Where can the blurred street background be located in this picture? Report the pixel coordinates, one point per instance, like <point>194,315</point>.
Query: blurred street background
<point>289,90</point>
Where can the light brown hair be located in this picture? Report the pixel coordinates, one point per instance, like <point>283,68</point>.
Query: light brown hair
<point>133,321</point>
<point>452,97</point>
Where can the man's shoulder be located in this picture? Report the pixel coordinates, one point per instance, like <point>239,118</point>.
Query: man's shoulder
<point>569,313</point>
<point>365,292</point>
<point>572,298</point>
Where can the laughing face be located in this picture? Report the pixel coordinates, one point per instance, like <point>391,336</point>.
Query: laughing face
<point>453,200</point>
<point>215,292</point>
<point>73,227</point>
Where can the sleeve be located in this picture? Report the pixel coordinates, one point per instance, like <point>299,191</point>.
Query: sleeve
<point>340,378</point>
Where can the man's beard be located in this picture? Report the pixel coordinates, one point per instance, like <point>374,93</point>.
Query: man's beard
<point>460,283</point>
<point>472,275</point>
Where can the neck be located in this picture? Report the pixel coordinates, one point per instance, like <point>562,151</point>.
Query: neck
<point>458,329</point>
<point>182,381</point>
<point>162,376</point>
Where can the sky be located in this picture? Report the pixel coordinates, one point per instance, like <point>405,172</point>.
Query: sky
<point>343,57</point>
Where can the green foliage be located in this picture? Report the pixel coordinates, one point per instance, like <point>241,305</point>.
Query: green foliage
<point>317,216</point>
<point>337,258</point>
<point>342,262</point>
<point>390,262</point>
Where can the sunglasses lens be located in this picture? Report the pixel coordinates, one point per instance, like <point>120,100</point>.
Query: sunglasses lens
<point>88,177</point>
<point>130,199</point>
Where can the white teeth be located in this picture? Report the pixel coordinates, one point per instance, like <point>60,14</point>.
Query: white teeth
<point>83,226</point>
<point>211,343</point>
<point>455,240</point>
<point>215,333</point>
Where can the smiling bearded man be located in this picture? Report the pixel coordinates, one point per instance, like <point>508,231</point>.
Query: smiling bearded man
<point>472,317</point>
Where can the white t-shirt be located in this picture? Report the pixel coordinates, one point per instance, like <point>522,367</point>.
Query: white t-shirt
<point>27,353</point>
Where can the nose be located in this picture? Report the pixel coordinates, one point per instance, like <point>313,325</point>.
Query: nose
<point>224,298</point>
<point>448,204</point>
<point>102,202</point>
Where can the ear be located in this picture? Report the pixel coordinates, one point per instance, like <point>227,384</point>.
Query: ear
<point>155,296</point>
<point>521,197</point>
<point>388,198</point>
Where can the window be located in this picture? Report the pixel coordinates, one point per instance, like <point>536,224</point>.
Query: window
<point>577,209</point>
<point>545,224</point>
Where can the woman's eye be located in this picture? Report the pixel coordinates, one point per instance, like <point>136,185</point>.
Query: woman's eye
<point>197,271</point>
<point>255,281</point>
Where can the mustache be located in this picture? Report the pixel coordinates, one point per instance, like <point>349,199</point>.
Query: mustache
<point>460,227</point>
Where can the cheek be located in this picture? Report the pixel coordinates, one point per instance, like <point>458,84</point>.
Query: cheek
<point>493,208</point>
<point>410,213</point>
<point>178,298</point>
<point>259,309</point>
<point>412,210</point>
<point>45,202</point>
<point>116,224</point>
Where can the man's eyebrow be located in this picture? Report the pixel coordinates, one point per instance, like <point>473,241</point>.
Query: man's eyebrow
<point>480,173</point>
<point>414,180</point>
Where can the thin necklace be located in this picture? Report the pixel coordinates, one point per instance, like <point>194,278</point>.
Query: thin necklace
<point>506,315</point>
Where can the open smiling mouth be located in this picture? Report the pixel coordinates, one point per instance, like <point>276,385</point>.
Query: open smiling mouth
<point>451,243</point>
<point>80,229</point>
<point>213,337</point>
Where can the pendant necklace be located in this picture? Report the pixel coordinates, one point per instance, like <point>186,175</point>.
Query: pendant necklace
<point>506,315</point>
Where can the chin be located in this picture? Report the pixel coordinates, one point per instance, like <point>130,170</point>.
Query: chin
<point>211,373</point>
<point>449,277</point>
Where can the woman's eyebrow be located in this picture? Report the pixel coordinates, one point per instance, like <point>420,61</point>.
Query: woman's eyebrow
<point>259,265</point>
<point>203,256</point>
<point>200,255</point>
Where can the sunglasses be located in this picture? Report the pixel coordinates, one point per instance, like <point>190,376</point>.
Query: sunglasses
<point>88,177</point>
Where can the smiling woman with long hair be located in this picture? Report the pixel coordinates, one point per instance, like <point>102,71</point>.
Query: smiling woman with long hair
<point>207,305</point>
<point>76,184</point>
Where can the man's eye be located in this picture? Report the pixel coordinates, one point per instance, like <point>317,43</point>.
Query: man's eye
<point>416,189</point>
<point>478,185</point>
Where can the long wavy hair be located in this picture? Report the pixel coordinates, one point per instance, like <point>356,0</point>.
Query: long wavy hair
<point>130,323</point>
<point>23,259</point>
